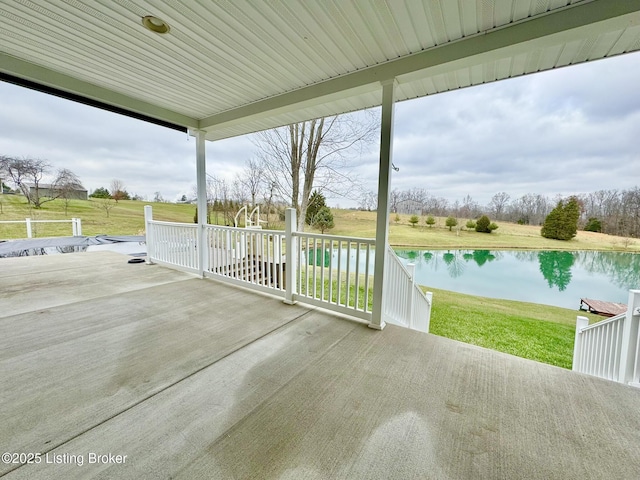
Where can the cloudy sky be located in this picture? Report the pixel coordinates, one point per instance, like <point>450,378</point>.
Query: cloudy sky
<point>573,130</point>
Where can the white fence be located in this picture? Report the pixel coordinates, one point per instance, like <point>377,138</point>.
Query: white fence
<point>328,271</point>
<point>252,258</point>
<point>335,273</point>
<point>173,244</point>
<point>76,225</point>
<point>405,303</point>
<point>611,348</point>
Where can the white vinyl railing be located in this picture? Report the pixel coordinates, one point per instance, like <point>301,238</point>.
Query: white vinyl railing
<point>405,304</point>
<point>611,348</point>
<point>328,271</point>
<point>251,257</point>
<point>335,273</point>
<point>173,244</point>
<point>76,225</point>
<point>597,348</point>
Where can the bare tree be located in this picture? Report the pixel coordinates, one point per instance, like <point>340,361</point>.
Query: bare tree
<point>118,191</point>
<point>498,204</point>
<point>368,201</point>
<point>106,204</point>
<point>65,185</point>
<point>313,154</point>
<point>251,181</point>
<point>27,174</point>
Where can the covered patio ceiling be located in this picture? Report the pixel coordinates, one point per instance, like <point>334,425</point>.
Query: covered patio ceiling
<point>237,67</point>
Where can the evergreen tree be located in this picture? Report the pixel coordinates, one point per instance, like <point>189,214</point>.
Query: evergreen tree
<point>323,219</point>
<point>317,201</point>
<point>451,222</point>
<point>562,222</point>
<point>100,192</point>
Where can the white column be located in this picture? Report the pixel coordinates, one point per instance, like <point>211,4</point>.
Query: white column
<point>581,322</point>
<point>79,226</point>
<point>148,229</point>
<point>630,332</point>
<point>201,178</point>
<point>291,260</point>
<point>28,223</point>
<point>382,217</point>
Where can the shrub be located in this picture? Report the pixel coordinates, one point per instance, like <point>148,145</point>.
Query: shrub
<point>484,225</point>
<point>451,222</point>
<point>593,225</point>
<point>397,218</point>
<point>471,225</point>
<point>413,220</point>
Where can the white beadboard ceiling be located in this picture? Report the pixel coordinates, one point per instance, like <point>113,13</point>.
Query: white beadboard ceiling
<point>237,66</point>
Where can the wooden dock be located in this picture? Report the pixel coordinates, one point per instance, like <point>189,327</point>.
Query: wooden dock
<point>599,307</point>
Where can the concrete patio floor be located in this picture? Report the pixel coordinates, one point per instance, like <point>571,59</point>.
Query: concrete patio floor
<point>193,379</point>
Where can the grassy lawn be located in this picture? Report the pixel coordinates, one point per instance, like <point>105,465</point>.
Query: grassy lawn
<point>533,331</point>
<point>537,332</point>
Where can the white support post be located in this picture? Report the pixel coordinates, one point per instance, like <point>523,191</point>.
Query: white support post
<point>79,226</point>
<point>581,322</point>
<point>74,230</point>
<point>201,178</point>
<point>148,217</point>
<point>382,216</point>
<point>411,267</point>
<point>28,223</point>
<point>430,300</point>
<point>630,331</point>
<point>291,257</point>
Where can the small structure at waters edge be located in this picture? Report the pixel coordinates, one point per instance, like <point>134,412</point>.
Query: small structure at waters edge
<point>599,307</point>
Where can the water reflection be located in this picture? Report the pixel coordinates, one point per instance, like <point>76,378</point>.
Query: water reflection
<point>551,277</point>
<point>556,268</point>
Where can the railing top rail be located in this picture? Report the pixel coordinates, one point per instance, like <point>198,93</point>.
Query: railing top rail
<point>37,221</point>
<point>602,323</point>
<point>174,224</point>
<point>321,236</point>
<point>397,259</point>
<point>243,229</point>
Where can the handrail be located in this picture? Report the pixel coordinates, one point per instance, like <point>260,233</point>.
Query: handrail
<point>604,322</point>
<point>174,224</point>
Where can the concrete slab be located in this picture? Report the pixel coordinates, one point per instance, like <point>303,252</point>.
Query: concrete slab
<point>29,284</point>
<point>317,397</point>
<point>67,368</point>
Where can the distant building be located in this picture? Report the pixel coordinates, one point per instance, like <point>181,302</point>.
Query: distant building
<point>47,190</point>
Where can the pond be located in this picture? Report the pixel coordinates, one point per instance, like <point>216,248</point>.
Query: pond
<point>557,278</point>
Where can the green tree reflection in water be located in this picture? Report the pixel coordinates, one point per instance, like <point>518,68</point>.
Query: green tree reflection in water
<point>454,266</point>
<point>483,256</point>
<point>556,268</point>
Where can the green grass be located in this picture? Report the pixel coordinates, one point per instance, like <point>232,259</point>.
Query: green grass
<point>537,332</point>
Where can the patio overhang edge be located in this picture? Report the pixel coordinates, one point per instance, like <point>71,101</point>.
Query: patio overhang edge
<point>35,77</point>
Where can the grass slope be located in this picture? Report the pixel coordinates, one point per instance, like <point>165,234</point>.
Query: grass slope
<point>537,332</point>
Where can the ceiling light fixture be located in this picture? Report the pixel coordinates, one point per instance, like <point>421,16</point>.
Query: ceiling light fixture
<point>155,24</point>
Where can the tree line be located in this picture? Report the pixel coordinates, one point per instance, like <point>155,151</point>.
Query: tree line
<point>615,212</point>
